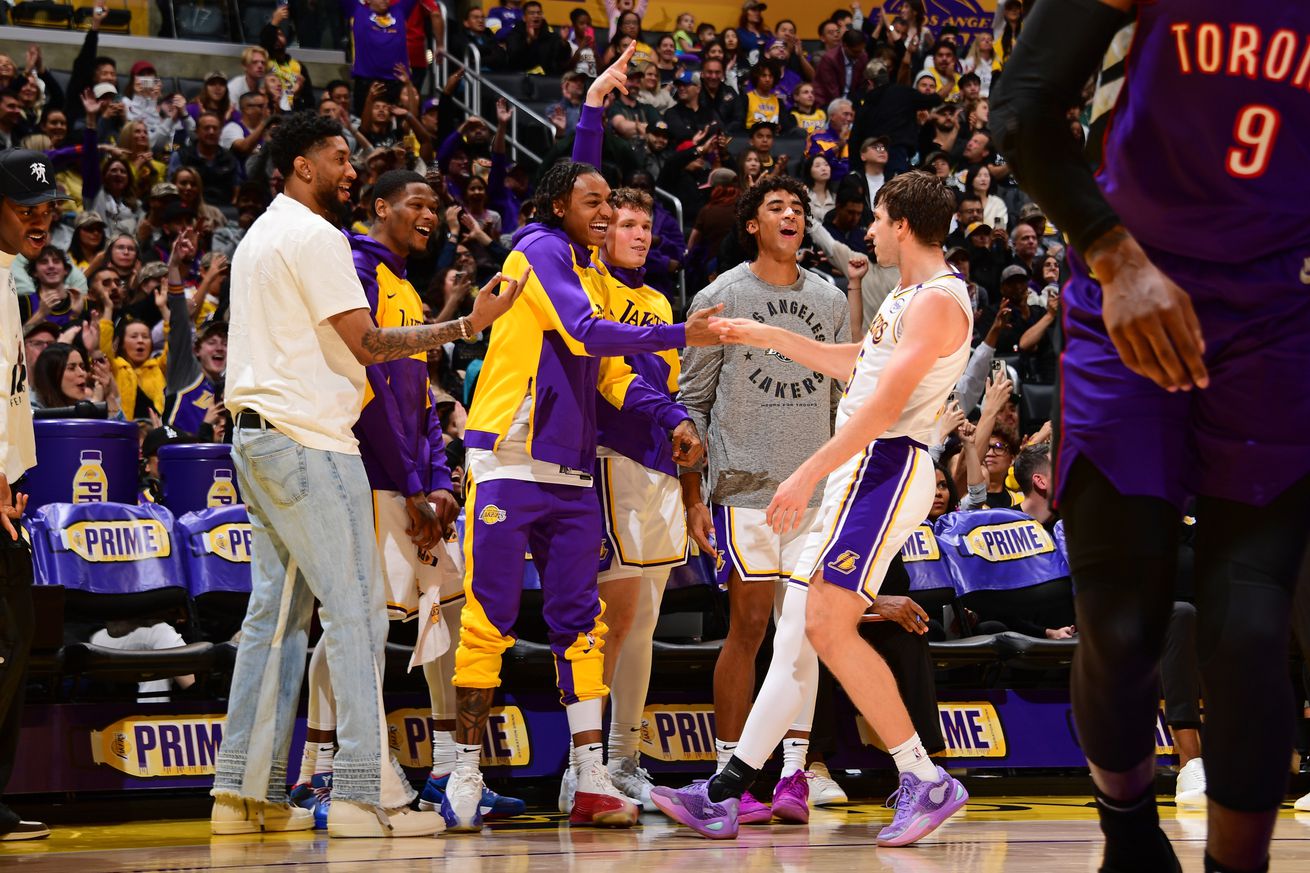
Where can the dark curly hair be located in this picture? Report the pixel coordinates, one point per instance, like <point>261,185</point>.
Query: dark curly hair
<point>557,184</point>
<point>748,206</point>
<point>298,134</point>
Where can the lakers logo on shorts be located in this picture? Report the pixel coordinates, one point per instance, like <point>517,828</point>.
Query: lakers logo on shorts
<point>604,550</point>
<point>719,561</point>
<point>845,562</point>
<point>434,614</point>
<point>492,514</point>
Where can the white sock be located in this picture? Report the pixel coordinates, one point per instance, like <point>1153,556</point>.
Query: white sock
<point>624,740</point>
<point>443,753</point>
<point>316,758</point>
<point>724,750</point>
<point>794,751</point>
<point>468,756</point>
<point>911,757</point>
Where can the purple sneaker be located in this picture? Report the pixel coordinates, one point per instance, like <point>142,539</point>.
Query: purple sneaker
<point>921,808</point>
<point>692,807</point>
<point>752,811</point>
<point>791,799</point>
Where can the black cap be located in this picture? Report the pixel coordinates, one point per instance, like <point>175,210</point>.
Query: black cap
<point>163,436</point>
<point>27,178</point>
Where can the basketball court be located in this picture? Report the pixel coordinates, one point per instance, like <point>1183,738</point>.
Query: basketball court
<point>1029,834</point>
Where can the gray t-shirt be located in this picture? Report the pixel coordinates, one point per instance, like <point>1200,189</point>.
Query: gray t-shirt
<point>762,415</point>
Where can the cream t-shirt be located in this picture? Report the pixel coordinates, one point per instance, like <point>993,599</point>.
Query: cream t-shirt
<point>292,272</point>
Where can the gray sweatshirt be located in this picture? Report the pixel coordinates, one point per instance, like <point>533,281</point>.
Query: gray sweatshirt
<point>762,415</point>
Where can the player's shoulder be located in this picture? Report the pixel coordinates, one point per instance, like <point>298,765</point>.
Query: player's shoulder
<point>720,290</point>
<point>815,286</point>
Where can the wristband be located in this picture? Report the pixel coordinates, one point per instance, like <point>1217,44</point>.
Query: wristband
<point>464,328</point>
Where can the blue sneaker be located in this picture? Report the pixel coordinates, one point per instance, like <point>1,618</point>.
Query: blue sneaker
<point>921,808</point>
<point>493,805</point>
<point>461,806</point>
<point>315,796</point>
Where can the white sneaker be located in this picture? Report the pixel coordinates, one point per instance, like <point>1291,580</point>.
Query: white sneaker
<point>824,790</point>
<point>631,779</point>
<point>348,819</point>
<point>233,816</point>
<point>1303,804</point>
<point>1190,788</point>
<point>568,787</point>
<point>462,806</point>
<point>597,802</point>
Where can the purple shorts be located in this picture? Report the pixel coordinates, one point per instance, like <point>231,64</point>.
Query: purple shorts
<point>1245,438</point>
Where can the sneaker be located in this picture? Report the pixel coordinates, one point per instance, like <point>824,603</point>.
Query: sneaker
<point>632,779</point>
<point>493,805</point>
<point>692,807</point>
<point>791,799</point>
<point>824,790</point>
<point>240,816</point>
<point>568,786</point>
<point>921,808</point>
<point>1189,790</point>
<point>597,802</point>
<point>315,796</point>
<point>751,811</point>
<point>26,830</point>
<point>461,807</point>
<point>347,819</point>
<point>1302,805</point>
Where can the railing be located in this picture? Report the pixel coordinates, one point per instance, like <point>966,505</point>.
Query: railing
<point>474,82</point>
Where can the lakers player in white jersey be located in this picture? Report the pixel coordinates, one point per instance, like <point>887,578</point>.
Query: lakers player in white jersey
<point>879,485</point>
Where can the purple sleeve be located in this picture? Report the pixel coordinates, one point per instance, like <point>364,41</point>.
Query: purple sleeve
<point>590,136</point>
<point>574,315</point>
<point>439,474</point>
<point>90,166</point>
<point>655,405</point>
<point>380,423</point>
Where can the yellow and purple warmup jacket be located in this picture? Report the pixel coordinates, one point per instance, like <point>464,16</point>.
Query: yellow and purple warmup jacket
<point>399,430</point>
<point>545,353</point>
<point>638,435</point>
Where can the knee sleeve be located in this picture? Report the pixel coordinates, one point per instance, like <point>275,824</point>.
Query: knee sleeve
<point>1248,561</point>
<point>1123,552</point>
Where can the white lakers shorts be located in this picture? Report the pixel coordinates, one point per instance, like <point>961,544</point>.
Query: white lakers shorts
<point>643,522</point>
<point>748,545</point>
<point>407,571</point>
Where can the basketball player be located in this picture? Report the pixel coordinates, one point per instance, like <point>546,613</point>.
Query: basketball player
<point>400,442</point>
<point>879,487</point>
<point>531,440</point>
<point>1186,320</point>
<point>763,414</point>
<point>644,523</point>
<point>302,334</point>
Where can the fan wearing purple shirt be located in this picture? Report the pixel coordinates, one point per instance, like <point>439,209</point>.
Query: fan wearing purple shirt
<point>378,38</point>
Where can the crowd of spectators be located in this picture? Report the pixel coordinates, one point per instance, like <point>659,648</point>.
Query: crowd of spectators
<point>130,299</point>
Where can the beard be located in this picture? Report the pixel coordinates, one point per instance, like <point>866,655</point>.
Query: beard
<point>331,207</point>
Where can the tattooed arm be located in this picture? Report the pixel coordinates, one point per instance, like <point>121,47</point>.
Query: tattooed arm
<point>371,344</point>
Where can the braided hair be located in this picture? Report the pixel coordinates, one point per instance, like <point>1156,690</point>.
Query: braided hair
<point>557,184</point>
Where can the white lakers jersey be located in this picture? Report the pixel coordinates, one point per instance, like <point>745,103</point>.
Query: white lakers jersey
<point>928,399</point>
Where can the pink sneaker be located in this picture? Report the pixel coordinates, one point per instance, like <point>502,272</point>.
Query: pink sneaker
<point>791,799</point>
<point>751,811</point>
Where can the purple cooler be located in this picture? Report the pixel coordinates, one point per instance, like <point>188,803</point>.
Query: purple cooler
<point>198,476</point>
<point>80,461</point>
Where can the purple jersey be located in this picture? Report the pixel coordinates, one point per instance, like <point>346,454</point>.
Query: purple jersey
<point>1207,152</point>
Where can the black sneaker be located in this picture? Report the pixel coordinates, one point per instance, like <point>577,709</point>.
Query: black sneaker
<point>27,830</point>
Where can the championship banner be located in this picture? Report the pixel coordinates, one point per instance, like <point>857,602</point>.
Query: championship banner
<point>105,548</point>
<point>998,550</point>
<point>215,545</point>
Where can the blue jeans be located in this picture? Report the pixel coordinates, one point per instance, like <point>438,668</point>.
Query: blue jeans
<point>312,523</point>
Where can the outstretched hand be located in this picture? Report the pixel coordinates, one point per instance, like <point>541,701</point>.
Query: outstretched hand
<point>699,329</point>
<point>741,332</point>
